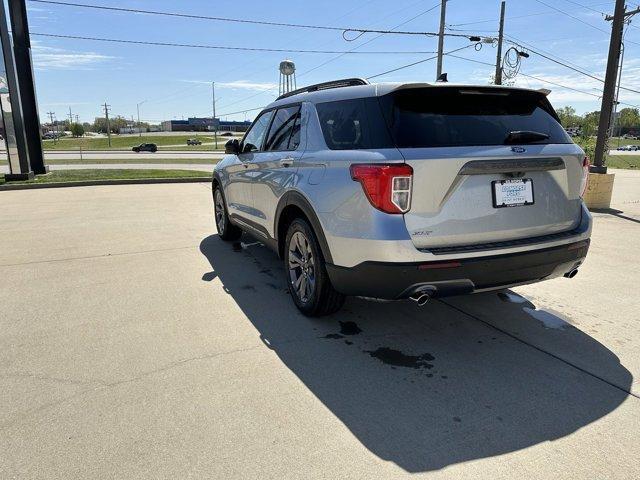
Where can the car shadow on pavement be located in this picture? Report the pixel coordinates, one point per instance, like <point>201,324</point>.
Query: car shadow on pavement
<point>615,213</point>
<point>424,387</point>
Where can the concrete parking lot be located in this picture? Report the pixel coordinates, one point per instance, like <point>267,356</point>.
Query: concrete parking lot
<point>136,344</point>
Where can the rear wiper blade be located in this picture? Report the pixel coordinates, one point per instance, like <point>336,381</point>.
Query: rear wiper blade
<point>524,136</point>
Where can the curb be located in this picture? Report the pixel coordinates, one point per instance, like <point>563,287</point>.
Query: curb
<point>95,183</point>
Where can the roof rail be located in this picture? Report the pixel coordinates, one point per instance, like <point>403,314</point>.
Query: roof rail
<point>345,82</point>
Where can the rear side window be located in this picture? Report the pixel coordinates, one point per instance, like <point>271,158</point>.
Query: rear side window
<point>283,134</point>
<point>454,117</point>
<point>253,139</point>
<point>353,124</point>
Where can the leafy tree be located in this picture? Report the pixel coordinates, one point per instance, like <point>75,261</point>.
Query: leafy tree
<point>100,125</point>
<point>590,124</point>
<point>77,130</point>
<point>629,117</point>
<point>117,123</point>
<point>568,117</point>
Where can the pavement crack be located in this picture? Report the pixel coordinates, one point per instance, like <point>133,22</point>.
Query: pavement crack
<point>541,350</point>
<point>103,255</point>
<point>64,381</point>
<point>180,363</point>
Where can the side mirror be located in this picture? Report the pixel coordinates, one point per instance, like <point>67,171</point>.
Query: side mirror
<point>232,147</point>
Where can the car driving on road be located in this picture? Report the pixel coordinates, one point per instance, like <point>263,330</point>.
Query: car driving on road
<point>145,147</point>
<point>193,141</point>
<point>407,191</point>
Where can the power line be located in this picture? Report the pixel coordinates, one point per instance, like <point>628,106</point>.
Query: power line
<point>493,19</point>
<point>572,16</point>
<point>543,80</point>
<point>306,72</point>
<point>221,47</point>
<point>579,19</point>
<point>418,62</point>
<point>579,70</point>
<point>585,6</point>
<point>240,20</point>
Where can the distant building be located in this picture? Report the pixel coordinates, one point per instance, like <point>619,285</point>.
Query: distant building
<point>207,124</point>
<point>126,130</point>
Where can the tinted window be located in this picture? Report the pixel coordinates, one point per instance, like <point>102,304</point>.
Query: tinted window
<point>353,124</point>
<point>450,117</point>
<point>253,139</point>
<point>282,128</point>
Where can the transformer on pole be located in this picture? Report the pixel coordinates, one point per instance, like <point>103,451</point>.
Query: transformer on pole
<point>287,77</point>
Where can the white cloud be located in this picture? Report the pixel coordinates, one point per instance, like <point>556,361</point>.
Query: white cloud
<point>245,85</point>
<point>239,85</point>
<point>53,58</point>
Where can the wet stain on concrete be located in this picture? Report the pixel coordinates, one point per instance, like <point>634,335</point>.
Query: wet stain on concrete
<point>348,342</point>
<point>349,328</point>
<point>334,336</point>
<point>457,419</point>
<point>250,288</point>
<point>389,356</point>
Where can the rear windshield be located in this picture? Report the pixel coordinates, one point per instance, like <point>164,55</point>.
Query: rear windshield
<point>454,117</point>
<point>354,124</point>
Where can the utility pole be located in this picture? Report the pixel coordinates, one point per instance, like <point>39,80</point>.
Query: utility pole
<point>138,109</point>
<point>498,76</point>
<point>608,94</point>
<point>106,114</point>
<point>443,15</point>
<point>614,120</point>
<point>51,115</point>
<point>70,117</point>
<point>215,127</point>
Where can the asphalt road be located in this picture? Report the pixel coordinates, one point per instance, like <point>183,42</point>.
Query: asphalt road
<point>119,166</point>
<point>125,155</point>
<point>134,343</point>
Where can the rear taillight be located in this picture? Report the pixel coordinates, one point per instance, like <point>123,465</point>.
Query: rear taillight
<point>387,186</point>
<point>585,176</point>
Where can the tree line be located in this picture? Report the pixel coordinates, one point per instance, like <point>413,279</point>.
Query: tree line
<point>99,125</point>
<point>628,121</point>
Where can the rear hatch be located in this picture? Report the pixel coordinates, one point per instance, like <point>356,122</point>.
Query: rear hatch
<point>489,164</point>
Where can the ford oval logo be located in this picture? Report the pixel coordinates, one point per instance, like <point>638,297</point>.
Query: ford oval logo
<point>518,149</point>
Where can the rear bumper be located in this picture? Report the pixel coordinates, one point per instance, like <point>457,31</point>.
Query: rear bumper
<point>460,276</point>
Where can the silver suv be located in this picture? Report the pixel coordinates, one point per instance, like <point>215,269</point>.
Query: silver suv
<point>407,191</point>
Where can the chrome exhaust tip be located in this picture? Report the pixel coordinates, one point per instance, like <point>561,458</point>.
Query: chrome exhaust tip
<point>571,273</point>
<point>423,299</point>
<point>423,295</point>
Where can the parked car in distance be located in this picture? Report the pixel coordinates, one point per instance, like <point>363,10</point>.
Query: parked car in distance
<point>193,141</point>
<point>400,191</point>
<point>226,134</point>
<point>145,147</point>
<point>629,148</point>
<point>629,136</point>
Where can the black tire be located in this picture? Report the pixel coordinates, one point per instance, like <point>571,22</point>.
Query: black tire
<point>226,230</point>
<point>307,278</point>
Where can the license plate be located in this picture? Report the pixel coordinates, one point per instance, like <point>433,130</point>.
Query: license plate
<point>512,192</point>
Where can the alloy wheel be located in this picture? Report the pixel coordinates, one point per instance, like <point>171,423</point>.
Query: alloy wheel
<point>219,204</point>
<point>301,267</point>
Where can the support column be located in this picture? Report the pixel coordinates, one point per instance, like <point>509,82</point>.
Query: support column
<point>12,127</point>
<point>24,68</point>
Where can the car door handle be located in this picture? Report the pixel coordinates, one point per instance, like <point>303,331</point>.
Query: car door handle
<point>286,162</point>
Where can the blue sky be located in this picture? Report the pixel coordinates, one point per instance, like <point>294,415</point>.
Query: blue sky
<point>174,82</point>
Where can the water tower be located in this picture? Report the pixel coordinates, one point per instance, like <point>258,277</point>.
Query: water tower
<point>287,76</point>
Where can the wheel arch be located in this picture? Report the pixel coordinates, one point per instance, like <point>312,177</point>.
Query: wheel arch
<point>294,205</point>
